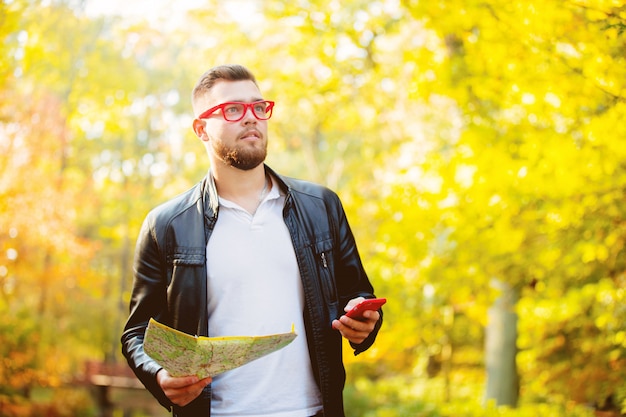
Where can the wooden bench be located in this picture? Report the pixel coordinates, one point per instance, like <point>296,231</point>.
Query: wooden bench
<point>117,375</point>
<point>105,377</point>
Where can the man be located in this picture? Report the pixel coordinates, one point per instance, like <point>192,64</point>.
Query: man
<point>249,252</point>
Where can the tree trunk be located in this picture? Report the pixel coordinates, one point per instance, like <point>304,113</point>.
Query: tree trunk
<point>501,348</point>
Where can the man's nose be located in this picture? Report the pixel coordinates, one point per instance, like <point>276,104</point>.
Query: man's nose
<point>248,115</point>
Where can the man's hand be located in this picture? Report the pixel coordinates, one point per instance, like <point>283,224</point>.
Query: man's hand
<point>356,331</point>
<point>181,391</point>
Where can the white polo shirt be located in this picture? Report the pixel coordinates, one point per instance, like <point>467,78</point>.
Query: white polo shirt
<point>254,289</point>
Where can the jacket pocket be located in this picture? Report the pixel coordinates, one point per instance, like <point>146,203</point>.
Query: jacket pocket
<point>326,275</point>
<point>184,257</point>
<point>188,256</point>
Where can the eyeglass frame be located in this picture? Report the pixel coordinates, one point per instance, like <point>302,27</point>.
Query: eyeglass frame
<point>246,106</point>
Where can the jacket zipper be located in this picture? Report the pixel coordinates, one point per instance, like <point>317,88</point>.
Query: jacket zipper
<point>323,255</point>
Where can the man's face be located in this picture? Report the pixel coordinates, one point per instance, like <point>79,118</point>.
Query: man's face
<point>241,144</point>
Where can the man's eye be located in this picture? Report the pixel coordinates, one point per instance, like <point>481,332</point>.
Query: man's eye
<point>259,108</point>
<point>231,109</point>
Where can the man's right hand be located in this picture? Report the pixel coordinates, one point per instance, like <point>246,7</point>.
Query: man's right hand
<point>181,391</point>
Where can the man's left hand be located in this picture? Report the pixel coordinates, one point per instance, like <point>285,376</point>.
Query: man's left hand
<point>356,331</point>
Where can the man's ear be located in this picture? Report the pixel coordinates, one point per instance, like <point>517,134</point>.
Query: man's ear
<point>198,128</point>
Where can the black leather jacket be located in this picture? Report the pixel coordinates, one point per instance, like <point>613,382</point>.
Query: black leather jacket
<point>170,280</point>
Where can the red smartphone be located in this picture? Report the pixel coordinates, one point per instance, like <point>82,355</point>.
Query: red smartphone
<point>367,304</point>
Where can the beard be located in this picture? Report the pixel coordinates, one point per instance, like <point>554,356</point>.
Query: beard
<point>241,157</point>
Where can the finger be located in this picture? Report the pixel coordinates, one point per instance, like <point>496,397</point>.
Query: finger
<point>179,382</point>
<point>353,335</point>
<point>184,395</point>
<point>352,303</point>
<point>371,315</point>
<point>356,325</point>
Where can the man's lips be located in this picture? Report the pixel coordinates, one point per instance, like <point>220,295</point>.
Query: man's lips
<point>251,134</point>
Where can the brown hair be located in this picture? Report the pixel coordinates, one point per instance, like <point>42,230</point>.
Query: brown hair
<point>231,72</point>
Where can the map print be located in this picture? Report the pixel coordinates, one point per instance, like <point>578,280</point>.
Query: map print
<point>182,354</point>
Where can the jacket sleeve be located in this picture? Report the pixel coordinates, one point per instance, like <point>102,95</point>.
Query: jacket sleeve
<point>351,279</point>
<point>148,299</point>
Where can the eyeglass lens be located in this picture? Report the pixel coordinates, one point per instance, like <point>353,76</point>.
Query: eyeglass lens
<point>235,111</point>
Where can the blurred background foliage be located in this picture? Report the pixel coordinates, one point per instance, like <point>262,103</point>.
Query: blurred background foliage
<point>478,146</point>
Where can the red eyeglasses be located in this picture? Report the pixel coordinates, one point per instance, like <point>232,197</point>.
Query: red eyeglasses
<point>233,111</point>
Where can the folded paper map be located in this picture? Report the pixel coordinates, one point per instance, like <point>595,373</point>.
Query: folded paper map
<point>182,354</point>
